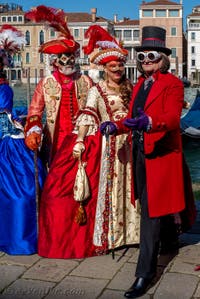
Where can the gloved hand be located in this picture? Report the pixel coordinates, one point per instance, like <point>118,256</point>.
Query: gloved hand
<point>33,141</point>
<point>108,127</point>
<point>140,123</point>
<point>78,148</point>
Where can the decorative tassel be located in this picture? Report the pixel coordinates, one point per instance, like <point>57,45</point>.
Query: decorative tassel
<point>81,217</point>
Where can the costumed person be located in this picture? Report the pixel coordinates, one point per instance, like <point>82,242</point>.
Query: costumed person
<point>18,207</point>
<point>110,220</point>
<point>158,162</point>
<point>60,94</point>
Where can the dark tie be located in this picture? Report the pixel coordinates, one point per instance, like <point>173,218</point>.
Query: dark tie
<point>148,82</point>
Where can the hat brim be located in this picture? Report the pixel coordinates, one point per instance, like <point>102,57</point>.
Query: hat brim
<point>104,56</point>
<point>166,51</point>
<point>59,46</point>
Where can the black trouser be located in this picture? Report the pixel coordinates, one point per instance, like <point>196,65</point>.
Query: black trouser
<point>149,227</point>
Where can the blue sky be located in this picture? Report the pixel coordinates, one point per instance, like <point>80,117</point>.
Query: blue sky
<point>105,8</point>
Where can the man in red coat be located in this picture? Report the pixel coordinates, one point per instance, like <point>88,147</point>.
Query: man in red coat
<point>62,93</point>
<point>154,119</point>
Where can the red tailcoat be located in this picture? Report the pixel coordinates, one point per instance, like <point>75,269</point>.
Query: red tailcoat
<point>164,170</point>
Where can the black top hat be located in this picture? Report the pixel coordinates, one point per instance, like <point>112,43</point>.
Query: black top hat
<point>153,38</point>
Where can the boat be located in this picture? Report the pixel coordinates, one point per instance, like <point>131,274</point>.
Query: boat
<point>190,121</point>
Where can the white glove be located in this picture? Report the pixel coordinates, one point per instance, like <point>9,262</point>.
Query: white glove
<point>78,148</point>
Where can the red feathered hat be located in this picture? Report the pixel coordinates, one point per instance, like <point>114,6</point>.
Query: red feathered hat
<point>54,18</point>
<point>108,47</point>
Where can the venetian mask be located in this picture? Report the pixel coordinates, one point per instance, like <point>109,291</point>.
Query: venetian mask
<point>66,63</point>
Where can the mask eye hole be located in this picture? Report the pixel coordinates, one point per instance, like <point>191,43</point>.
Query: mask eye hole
<point>116,66</point>
<point>65,59</point>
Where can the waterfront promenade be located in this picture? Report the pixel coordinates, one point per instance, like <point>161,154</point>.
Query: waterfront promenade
<point>34,277</point>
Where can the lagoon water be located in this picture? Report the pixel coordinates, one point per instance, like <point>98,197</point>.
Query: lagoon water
<point>191,149</point>
<point>21,94</point>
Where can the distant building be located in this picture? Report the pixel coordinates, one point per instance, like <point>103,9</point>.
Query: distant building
<point>32,65</point>
<point>29,63</point>
<point>127,31</point>
<point>193,40</point>
<point>13,14</point>
<point>168,15</point>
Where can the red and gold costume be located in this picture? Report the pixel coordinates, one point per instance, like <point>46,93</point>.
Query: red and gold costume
<point>61,94</point>
<point>62,97</point>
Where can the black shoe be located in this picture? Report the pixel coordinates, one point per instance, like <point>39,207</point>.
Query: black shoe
<point>139,287</point>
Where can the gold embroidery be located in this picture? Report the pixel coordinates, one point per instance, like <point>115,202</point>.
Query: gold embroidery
<point>82,87</point>
<point>52,87</point>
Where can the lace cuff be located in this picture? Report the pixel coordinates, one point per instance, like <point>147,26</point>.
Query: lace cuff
<point>35,129</point>
<point>87,120</point>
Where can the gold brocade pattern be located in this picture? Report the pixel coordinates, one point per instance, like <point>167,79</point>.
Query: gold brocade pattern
<point>52,97</point>
<point>52,87</point>
<point>126,218</point>
<point>52,93</point>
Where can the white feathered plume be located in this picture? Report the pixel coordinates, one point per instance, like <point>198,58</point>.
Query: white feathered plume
<point>107,44</point>
<point>11,39</point>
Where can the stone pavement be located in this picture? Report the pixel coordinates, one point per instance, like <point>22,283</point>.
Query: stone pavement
<point>24,277</point>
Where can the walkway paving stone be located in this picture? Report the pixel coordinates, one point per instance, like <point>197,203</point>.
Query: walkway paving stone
<point>99,267</point>
<point>78,288</point>
<point>50,269</point>
<point>24,288</point>
<point>9,274</point>
<point>179,286</point>
<point>101,277</point>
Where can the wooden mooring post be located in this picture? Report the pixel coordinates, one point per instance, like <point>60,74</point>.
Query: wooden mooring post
<point>28,88</point>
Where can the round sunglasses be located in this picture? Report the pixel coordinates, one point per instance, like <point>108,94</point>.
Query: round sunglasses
<point>151,56</point>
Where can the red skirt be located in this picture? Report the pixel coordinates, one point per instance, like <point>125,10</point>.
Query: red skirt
<point>59,235</point>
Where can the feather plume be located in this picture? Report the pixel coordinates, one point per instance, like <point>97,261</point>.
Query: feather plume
<point>98,37</point>
<point>107,44</point>
<point>11,39</point>
<point>52,17</point>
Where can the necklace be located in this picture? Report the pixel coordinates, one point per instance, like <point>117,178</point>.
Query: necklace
<point>115,89</point>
